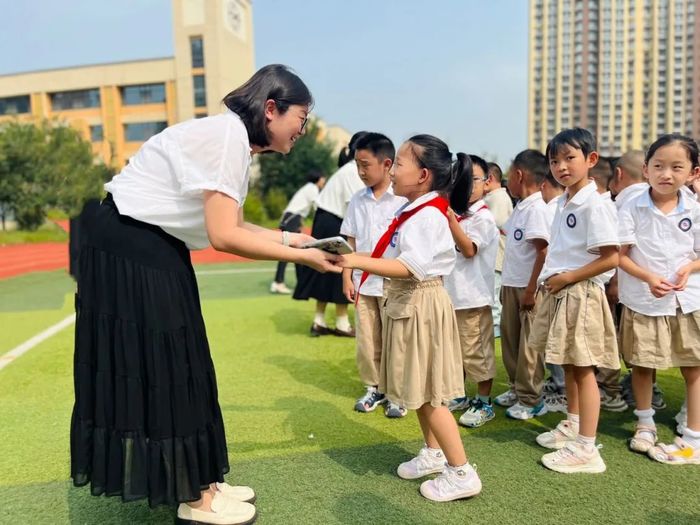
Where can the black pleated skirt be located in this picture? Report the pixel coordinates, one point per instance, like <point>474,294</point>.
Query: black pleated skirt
<point>324,287</point>
<point>146,421</point>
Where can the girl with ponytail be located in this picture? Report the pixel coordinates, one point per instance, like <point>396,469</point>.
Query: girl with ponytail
<point>421,358</point>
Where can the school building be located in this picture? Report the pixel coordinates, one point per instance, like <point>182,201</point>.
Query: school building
<point>118,106</point>
<point>629,70</point>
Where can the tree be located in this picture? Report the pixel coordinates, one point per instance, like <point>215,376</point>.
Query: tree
<point>289,172</point>
<point>46,165</point>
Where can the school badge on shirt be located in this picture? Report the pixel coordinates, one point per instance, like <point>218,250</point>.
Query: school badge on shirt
<point>685,224</point>
<point>571,220</point>
<point>518,234</point>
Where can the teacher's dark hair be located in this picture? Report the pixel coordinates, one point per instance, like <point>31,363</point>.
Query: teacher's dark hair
<point>274,82</point>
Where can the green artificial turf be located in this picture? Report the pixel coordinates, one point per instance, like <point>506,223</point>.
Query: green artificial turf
<point>287,402</point>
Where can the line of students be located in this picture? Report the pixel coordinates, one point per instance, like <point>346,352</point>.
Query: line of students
<point>424,316</point>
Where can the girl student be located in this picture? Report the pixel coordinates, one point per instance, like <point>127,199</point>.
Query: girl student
<point>422,364</point>
<point>146,421</point>
<point>660,292</point>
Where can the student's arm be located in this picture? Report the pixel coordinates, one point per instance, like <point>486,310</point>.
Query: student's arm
<point>607,260</point>
<point>228,234</point>
<point>657,284</point>
<point>391,268</point>
<point>527,301</point>
<point>348,285</point>
<point>466,246</point>
<point>295,239</point>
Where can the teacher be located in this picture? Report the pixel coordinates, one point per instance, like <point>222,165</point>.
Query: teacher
<point>146,421</point>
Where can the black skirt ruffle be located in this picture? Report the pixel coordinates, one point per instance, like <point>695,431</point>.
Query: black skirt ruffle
<point>146,421</point>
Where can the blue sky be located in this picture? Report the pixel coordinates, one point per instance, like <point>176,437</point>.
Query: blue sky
<point>453,68</point>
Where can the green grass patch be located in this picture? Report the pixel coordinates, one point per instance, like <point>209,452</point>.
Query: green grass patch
<point>287,402</point>
<point>47,232</point>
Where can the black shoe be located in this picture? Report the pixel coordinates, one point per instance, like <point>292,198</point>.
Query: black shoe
<point>344,333</point>
<point>317,330</point>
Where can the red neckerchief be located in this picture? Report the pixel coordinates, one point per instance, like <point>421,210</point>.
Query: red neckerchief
<point>440,203</point>
<point>466,215</point>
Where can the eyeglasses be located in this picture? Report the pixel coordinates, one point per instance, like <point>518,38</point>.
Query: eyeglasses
<point>303,123</point>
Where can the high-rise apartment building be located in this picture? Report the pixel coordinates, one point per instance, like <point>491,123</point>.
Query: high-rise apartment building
<point>629,70</point>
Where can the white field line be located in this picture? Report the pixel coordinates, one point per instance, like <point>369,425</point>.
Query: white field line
<point>235,270</point>
<point>25,347</point>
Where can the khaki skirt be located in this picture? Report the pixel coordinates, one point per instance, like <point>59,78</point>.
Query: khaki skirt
<point>660,342</point>
<point>422,360</point>
<point>575,327</point>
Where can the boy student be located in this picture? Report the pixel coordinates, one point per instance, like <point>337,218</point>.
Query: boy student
<point>573,325</point>
<point>500,204</point>
<point>471,288</point>
<point>369,214</point>
<point>527,236</point>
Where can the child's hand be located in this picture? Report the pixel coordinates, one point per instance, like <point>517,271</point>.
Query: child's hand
<point>557,282</point>
<point>346,261</point>
<point>527,301</point>
<point>452,218</point>
<point>348,287</point>
<point>660,287</point>
<point>320,261</point>
<point>682,276</point>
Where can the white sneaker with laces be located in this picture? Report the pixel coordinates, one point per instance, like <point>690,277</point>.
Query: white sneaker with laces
<point>506,399</point>
<point>280,288</point>
<point>562,434</point>
<point>556,403</point>
<point>224,511</point>
<point>520,411</point>
<point>428,461</point>
<point>573,458</point>
<point>453,483</point>
<point>237,492</point>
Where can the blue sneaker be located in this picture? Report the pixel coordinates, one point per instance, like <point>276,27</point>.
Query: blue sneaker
<point>477,414</point>
<point>520,411</point>
<point>371,400</point>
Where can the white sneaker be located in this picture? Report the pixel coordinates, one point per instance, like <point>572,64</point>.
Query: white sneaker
<point>280,288</point>
<point>224,511</point>
<point>453,483</point>
<point>564,433</point>
<point>506,399</point>
<point>573,458</point>
<point>555,403</point>
<point>458,404</point>
<point>237,492</point>
<point>426,462</point>
<point>520,411</point>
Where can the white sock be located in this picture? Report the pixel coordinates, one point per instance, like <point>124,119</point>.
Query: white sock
<point>434,451</point>
<point>342,322</point>
<point>692,437</point>
<point>587,442</point>
<point>573,418</point>
<point>646,417</point>
<point>320,319</point>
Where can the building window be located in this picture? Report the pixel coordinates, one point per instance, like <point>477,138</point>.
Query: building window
<point>83,98</point>
<point>143,94</point>
<point>142,131</point>
<point>14,105</point>
<point>197,50</point>
<point>96,133</point>
<point>200,91</point>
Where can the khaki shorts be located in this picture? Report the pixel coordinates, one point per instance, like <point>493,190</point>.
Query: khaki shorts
<point>368,313</point>
<point>575,327</point>
<point>421,355</point>
<point>661,342</point>
<point>476,341</point>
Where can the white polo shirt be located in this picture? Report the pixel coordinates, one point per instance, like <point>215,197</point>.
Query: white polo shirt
<point>501,207</point>
<point>164,183</point>
<point>580,227</point>
<point>630,192</point>
<point>471,283</point>
<point>339,189</point>
<point>531,219</point>
<point>424,242</point>
<point>303,200</point>
<point>366,220</point>
<point>661,244</point>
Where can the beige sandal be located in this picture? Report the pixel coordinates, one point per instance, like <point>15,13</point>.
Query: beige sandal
<point>644,439</point>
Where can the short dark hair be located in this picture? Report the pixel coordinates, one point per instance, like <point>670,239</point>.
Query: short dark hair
<point>688,144</point>
<point>314,176</point>
<point>451,179</point>
<point>495,171</point>
<point>533,163</point>
<point>579,138</point>
<point>379,145</point>
<point>273,82</point>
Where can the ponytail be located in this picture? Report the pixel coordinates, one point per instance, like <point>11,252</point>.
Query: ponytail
<point>462,182</point>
